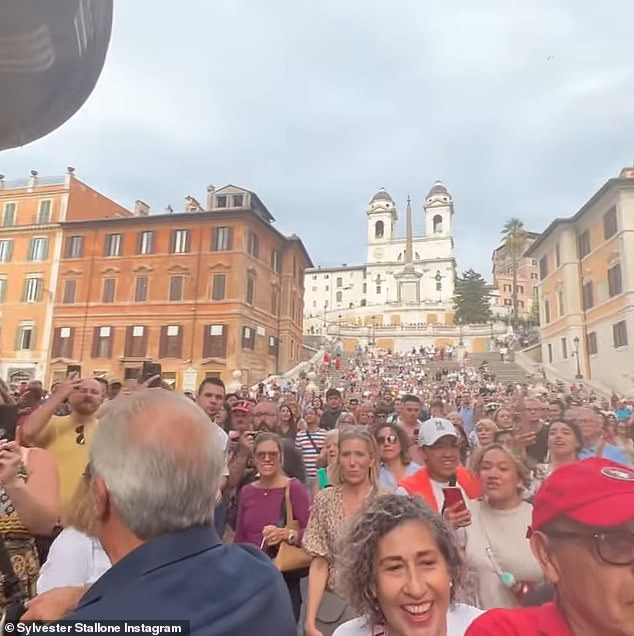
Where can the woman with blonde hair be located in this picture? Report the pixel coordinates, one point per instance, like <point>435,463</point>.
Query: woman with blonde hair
<point>76,558</point>
<point>346,419</point>
<point>326,474</point>
<point>355,479</point>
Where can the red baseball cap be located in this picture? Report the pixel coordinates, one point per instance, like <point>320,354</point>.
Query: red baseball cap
<point>241,406</point>
<point>594,491</point>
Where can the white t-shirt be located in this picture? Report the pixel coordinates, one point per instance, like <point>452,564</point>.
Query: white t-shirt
<point>459,617</point>
<point>224,440</point>
<point>74,559</point>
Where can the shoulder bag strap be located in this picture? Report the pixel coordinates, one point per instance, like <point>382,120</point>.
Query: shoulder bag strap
<point>289,504</point>
<point>312,441</point>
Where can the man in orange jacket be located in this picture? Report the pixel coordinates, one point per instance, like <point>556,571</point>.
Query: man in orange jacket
<point>440,446</point>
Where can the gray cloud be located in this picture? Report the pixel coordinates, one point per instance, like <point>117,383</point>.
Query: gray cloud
<point>522,109</point>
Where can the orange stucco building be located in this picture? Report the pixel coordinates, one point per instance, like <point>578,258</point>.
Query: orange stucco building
<point>32,212</point>
<point>586,289</point>
<point>208,291</point>
<point>527,278</point>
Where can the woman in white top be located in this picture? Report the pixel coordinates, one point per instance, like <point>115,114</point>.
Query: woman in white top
<point>400,569</point>
<point>76,559</point>
<point>497,548</point>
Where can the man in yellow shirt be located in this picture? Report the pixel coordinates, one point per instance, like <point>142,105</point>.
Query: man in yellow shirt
<point>66,437</point>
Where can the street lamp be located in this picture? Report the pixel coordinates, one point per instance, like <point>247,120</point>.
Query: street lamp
<point>575,341</point>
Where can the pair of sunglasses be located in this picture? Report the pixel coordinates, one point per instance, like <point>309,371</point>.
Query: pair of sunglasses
<point>387,439</point>
<point>81,438</point>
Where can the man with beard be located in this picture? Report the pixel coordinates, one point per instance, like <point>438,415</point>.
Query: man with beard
<point>66,437</point>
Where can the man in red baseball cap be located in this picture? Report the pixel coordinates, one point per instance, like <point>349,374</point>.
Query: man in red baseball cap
<point>582,533</point>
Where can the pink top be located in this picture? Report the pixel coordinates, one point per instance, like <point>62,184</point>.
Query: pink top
<point>259,507</point>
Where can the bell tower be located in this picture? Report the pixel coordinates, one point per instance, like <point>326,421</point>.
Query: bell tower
<point>438,211</point>
<point>382,219</point>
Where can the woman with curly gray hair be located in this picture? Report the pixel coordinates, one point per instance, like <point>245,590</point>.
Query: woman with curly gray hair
<point>400,568</point>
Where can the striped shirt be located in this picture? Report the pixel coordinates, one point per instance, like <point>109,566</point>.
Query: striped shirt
<point>310,449</point>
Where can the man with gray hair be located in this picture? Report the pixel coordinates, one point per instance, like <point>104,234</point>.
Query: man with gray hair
<point>155,467</point>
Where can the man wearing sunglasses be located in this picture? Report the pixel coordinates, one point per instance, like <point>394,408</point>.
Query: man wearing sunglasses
<point>66,436</point>
<point>582,533</point>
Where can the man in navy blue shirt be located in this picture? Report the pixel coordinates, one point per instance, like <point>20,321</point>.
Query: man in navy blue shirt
<point>155,467</point>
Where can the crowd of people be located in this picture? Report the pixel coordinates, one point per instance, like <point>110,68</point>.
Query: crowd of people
<point>412,500</point>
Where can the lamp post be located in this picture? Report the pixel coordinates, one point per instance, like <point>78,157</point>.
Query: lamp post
<point>373,331</point>
<point>575,341</point>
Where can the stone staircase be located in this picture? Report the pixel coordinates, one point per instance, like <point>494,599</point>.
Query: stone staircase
<point>503,371</point>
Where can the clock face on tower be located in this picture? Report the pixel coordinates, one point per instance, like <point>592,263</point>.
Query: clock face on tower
<point>378,253</point>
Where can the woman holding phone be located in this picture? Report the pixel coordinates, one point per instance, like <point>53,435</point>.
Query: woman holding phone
<point>29,501</point>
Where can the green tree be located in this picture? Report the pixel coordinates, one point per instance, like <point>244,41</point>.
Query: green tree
<point>471,299</point>
<point>514,239</point>
<point>534,314</point>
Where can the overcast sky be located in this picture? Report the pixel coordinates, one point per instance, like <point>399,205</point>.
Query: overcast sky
<point>520,108</point>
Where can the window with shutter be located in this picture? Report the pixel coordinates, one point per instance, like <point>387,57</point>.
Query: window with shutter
<point>145,242</point>
<point>136,342</point>
<point>32,290</point>
<point>6,250</point>
<point>215,341</point>
<point>140,291</point>
<point>222,239</point>
<point>176,288</point>
<point>63,340</point>
<point>44,211</point>
<point>180,243</point>
<point>171,343</point>
<point>218,287</point>
<point>68,296</point>
<point>74,247</point>
<point>102,342</point>
<point>38,249</point>
<point>9,214</point>
<point>113,245</point>
<point>248,337</point>
<point>108,290</point>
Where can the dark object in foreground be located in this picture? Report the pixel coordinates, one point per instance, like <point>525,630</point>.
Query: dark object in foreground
<point>51,55</point>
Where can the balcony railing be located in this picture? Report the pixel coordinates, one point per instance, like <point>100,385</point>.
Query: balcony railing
<point>21,184</point>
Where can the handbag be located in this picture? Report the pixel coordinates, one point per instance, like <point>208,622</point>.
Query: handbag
<point>15,598</point>
<point>289,557</point>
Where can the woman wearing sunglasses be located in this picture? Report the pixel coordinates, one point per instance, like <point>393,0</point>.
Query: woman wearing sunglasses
<point>261,507</point>
<point>393,451</point>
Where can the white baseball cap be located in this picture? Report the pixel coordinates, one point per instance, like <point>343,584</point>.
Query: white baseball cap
<point>433,429</point>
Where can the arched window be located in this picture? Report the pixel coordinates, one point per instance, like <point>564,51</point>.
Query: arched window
<point>379,229</point>
<point>400,256</point>
<point>339,297</point>
<point>438,279</point>
<point>437,224</point>
<point>416,256</point>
